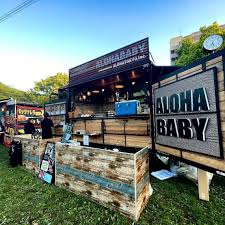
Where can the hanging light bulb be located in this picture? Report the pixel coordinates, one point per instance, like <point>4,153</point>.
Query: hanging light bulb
<point>84,97</point>
<point>103,89</point>
<point>88,93</point>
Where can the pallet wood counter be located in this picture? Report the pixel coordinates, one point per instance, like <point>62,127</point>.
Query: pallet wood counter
<point>118,180</point>
<point>32,150</point>
<point>132,131</point>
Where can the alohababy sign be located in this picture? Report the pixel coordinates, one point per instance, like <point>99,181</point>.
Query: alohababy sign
<point>128,57</point>
<point>186,114</point>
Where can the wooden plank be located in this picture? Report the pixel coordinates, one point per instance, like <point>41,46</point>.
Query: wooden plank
<point>78,125</point>
<point>137,126</point>
<point>222,116</point>
<point>220,76</point>
<point>168,80</point>
<point>214,61</point>
<point>94,139</point>
<point>113,170</point>
<point>190,71</point>
<point>31,166</point>
<point>93,126</point>
<point>114,126</point>
<point>222,97</point>
<point>218,65</point>
<point>221,86</point>
<point>172,151</point>
<point>106,197</point>
<point>142,166</point>
<point>137,141</point>
<point>155,86</point>
<point>205,160</point>
<point>203,185</point>
<point>142,200</point>
<point>126,158</point>
<point>113,139</point>
<point>96,179</point>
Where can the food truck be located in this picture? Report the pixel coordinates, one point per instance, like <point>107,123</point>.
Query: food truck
<point>109,108</point>
<point>16,115</point>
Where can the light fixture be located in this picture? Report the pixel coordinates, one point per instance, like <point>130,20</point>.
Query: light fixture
<point>95,91</point>
<point>133,83</point>
<point>133,74</point>
<point>119,86</point>
<point>84,97</point>
<point>103,89</point>
<point>88,93</point>
<point>146,82</point>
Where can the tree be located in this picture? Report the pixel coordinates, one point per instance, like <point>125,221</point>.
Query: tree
<point>190,51</point>
<point>44,89</point>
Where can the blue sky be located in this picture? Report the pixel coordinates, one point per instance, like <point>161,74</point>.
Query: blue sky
<point>54,35</point>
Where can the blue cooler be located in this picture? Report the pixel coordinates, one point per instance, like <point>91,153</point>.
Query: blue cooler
<point>127,108</point>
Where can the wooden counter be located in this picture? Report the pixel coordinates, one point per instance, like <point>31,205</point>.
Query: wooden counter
<point>117,180</point>
<point>132,131</point>
<point>33,150</point>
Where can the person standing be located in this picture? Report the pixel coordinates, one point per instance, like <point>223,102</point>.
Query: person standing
<point>46,125</point>
<point>2,130</point>
<point>29,127</point>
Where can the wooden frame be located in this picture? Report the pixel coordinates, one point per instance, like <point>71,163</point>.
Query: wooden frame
<point>215,60</point>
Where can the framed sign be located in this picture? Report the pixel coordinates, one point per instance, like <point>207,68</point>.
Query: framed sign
<point>186,114</point>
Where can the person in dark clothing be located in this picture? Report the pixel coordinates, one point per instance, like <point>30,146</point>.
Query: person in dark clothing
<point>46,125</point>
<point>29,127</point>
<point>2,130</point>
<point>15,154</point>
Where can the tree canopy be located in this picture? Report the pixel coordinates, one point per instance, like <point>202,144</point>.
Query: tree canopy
<point>190,51</point>
<point>10,92</point>
<point>43,89</point>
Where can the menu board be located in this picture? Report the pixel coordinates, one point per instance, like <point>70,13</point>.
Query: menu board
<point>56,108</point>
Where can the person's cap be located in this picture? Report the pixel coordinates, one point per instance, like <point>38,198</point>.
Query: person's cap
<point>46,114</point>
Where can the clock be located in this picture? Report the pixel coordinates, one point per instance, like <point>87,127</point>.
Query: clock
<point>213,42</point>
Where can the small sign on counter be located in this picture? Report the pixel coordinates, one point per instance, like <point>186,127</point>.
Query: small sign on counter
<point>86,140</point>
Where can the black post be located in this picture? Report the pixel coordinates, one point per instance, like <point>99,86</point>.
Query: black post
<point>149,71</point>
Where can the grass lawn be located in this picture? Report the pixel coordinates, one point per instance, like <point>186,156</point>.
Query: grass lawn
<point>24,199</point>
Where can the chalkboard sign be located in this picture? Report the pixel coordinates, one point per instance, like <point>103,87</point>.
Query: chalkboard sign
<point>47,168</point>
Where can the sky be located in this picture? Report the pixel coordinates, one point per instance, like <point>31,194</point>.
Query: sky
<point>53,36</point>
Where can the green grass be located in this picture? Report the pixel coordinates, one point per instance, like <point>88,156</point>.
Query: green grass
<point>24,199</point>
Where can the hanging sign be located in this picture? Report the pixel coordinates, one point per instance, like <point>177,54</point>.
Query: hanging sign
<point>186,114</point>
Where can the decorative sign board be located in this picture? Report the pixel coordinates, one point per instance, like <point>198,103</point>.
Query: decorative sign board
<point>47,170</point>
<point>131,56</point>
<point>186,114</point>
